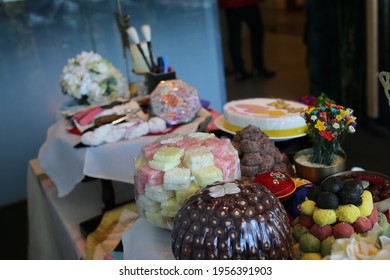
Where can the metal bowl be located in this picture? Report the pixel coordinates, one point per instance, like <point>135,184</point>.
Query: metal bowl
<point>316,174</point>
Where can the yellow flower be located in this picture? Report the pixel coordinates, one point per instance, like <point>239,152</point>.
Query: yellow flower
<point>320,126</point>
<point>343,112</point>
<point>308,111</point>
<point>351,120</point>
<point>339,117</point>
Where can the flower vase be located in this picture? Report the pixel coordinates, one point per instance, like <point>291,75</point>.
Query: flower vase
<point>316,173</point>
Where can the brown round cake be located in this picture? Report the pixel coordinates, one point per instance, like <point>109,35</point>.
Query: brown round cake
<point>235,220</point>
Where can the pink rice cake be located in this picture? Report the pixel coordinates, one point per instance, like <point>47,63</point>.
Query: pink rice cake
<point>139,187</point>
<point>150,176</point>
<point>229,164</point>
<point>218,147</point>
<point>189,142</point>
<point>224,157</point>
<point>217,143</point>
<point>150,149</point>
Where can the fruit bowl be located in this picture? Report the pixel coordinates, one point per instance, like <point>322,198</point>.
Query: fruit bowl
<point>377,183</point>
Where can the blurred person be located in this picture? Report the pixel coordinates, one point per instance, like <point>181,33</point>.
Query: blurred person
<point>248,12</point>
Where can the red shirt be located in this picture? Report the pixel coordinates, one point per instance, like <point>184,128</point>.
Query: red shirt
<point>228,4</point>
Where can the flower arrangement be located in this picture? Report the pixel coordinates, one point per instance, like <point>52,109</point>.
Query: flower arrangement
<point>91,79</point>
<point>312,100</point>
<point>327,127</point>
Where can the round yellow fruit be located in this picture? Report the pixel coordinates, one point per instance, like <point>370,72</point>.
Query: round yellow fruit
<point>324,217</point>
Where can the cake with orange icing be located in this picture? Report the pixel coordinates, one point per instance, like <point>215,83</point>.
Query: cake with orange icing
<point>275,117</point>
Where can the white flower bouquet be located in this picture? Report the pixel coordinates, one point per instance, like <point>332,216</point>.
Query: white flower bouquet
<point>374,246</point>
<point>90,79</point>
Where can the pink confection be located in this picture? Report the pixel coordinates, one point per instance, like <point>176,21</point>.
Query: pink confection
<point>189,142</point>
<point>306,220</point>
<point>228,164</point>
<point>150,149</point>
<point>362,224</point>
<point>224,157</point>
<point>139,187</point>
<point>321,232</point>
<point>374,218</point>
<point>343,230</point>
<point>150,176</point>
<point>218,147</point>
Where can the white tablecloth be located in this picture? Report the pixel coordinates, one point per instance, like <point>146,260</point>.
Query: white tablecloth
<point>54,222</point>
<point>144,241</point>
<point>67,166</point>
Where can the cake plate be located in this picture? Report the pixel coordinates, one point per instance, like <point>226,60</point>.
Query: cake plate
<point>220,124</point>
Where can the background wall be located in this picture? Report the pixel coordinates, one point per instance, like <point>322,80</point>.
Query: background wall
<point>38,37</point>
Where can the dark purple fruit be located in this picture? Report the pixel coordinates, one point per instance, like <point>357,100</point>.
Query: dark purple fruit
<point>332,184</point>
<point>350,197</point>
<point>327,200</point>
<point>353,186</point>
<point>313,192</point>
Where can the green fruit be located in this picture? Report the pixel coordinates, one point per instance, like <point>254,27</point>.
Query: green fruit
<point>309,243</point>
<point>326,245</point>
<point>298,231</point>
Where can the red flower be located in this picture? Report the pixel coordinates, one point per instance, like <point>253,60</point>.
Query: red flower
<point>327,135</point>
<point>323,115</point>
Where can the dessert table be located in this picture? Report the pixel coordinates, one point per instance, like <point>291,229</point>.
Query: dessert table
<point>67,166</point>
<point>63,186</point>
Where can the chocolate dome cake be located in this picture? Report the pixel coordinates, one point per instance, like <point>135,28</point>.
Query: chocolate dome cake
<point>235,220</point>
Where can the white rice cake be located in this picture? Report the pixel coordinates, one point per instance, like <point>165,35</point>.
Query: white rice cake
<point>198,158</point>
<point>163,165</point>
<point>208,175</point>
<point>177,178</point>
<point>158,193</point>
<point>168,154</point>
<point>148,204</point>
<point>170,204</point>
<point>181,196</point>
<point>201,135</point>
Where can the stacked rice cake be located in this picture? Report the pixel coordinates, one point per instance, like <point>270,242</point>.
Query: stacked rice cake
<point>174,167</point>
